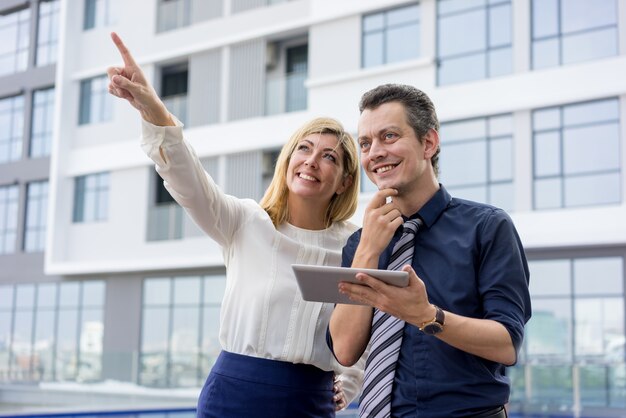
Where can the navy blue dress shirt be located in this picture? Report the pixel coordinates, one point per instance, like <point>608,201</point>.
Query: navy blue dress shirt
<point>471,260</point>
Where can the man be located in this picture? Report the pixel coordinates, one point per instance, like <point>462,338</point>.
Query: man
<point>467,300</point>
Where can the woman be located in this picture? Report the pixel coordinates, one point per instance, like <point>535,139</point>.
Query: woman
<point>275,361</point>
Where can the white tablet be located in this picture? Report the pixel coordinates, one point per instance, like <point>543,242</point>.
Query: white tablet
<point>320,283</point>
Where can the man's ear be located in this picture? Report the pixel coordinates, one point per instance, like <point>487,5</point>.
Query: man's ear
<point>431,143</point>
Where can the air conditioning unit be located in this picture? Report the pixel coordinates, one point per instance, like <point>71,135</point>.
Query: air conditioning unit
<point>271,55</point>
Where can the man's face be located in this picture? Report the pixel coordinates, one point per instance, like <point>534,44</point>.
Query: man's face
<point>391,154</point>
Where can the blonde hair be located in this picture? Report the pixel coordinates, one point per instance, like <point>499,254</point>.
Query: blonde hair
<point>342,206</point>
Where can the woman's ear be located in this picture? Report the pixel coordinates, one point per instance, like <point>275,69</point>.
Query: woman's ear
<point>345,183</point>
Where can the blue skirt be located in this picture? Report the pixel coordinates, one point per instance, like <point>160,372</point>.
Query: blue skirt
<point>243,386</point>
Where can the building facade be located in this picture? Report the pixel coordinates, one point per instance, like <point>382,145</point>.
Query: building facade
<point>114,282</point>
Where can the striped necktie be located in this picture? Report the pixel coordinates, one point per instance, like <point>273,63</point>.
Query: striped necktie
<point>386,339</point>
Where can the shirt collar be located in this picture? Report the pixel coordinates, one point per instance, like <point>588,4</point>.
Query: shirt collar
<point>431,211</point>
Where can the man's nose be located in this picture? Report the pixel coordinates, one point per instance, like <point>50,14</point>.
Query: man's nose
<point>376,151</point>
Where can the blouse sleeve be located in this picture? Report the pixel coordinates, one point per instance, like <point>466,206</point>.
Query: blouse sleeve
<point>352,378</point>
<point>217,214</point>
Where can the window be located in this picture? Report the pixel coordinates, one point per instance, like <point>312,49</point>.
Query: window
<point>474,40</point>
<point>270,157</point>
<point>391,36</point>
<point>42,117</point>
<point>570,31</point>
<point>367,186</point>
<point>15,35</point>
<point>477,160</point>
<point>179,329</point>
<point>95,102</point>
<point>8,218</point>
<point>36,211</point>
<point>174,85</point>
<point>295,74</point>
<point>56,333</point>
<point>91,197</point>
<point>165,216</point>
<point>173,14</point>
<point>577,324</point>
<point>286,72</point>
<point>567,171</point>
<point>97,14</point>
<point>11,128</point>
<point>47,32</point>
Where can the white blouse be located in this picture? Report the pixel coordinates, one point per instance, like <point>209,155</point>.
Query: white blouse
<point>263,314</point>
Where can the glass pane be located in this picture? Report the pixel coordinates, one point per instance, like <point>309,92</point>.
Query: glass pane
<point>578,15</point>
<point>211,347</point>
<point>500,125</point>
<point>502,196</point>
<point>547,154</point>
<point>214,287</point>
<point>501,159</point>
<point>93,293</point>
<point>593,385</point>
<point>91,333</point>
<point>455,38</point>
<point>402,43</point>
<point>600,189</point>
<point>463,130</point>
<point>477,194</point>
<point>187,290</point>
<point>185,341</point>
<point>617,379</point>
<point>156,292</point>
<point>44,344</point>
<point>6,298</point>
<point>463,69</point>
<point>589,46</point>
<point>599,324</point>
<point>465,163</point>
<point>545,18</point>
<point>590,112</point>
<point>547,119</point>
<point>367,186</point>
<point>25,296</point>
<point>68,296</point>
<point>47,296</point>
<point>154,342</point>
<point>546,54</point>
<point>500,25</point>
<point>403,15</point>
<point>551,385</point>
<point>596,276</point>
<point>67,345</point>
<point>550,278</point>
<point>549,331</point>
<point>373,22</point>
<point>450,6</point>
<point>604,155</point>
<point>500,62</point>
<point>373,49</point>
<point>548,193</point>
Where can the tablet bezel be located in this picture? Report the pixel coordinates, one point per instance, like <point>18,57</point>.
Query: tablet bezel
<point>320,283</point>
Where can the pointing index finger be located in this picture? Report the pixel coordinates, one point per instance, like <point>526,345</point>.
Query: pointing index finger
<point>126,56</point>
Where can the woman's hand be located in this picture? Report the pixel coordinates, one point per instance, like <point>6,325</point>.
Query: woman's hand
<point>339,397</point>
<point>128,82</point>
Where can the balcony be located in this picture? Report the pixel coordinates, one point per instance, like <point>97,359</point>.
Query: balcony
<point>285,93</point>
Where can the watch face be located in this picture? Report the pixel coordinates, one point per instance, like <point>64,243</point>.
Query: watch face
<point>432,328</point>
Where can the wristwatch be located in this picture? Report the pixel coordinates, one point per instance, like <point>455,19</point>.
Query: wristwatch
<point>435,325</point>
